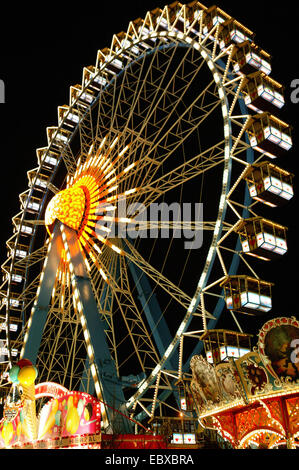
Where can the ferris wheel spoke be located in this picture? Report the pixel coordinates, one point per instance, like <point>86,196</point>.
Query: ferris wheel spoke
<point>141,84</point>
<point>28,294</point>
<point>161,94</point>
<point>137,332</point>
<point>132,317</point>
<point>141,263</point>
<point>204,161</point>
<point>169,287</point>
<point>173,225</point>
<point>195,166</point>
<point>128,180</point>
<point>174,137</point>
<point>180,175</point>
<point>191,172</point>
<point>198,104</point>
<point>147,89</point>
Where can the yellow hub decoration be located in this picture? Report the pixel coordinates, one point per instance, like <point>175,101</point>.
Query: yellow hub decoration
<point>68,207</point>
<point>90,195</point>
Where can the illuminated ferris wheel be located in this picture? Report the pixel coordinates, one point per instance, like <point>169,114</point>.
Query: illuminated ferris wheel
<point>100,290</point>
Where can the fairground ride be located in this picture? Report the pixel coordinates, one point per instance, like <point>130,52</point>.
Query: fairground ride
<point>179,109</point>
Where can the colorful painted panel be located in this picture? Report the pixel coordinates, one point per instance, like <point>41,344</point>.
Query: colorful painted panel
<point>276,344</point>
<point>67,416</point>
<point>72,414</point>
<point>293,414</point>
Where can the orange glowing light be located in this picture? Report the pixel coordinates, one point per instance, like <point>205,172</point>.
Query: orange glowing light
<point>68,207</point>
<point>86,191</point>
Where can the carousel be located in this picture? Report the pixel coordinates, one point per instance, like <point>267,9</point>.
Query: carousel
<point>250,397</point>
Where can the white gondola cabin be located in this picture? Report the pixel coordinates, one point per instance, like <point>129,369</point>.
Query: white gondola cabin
<point>262,238</point>
<point>262,93</point>
<point>19,251</point>
<point>233,32</point>
<point>212,17</point>
<point>269,184</point>
<point>186,402</point>
<point>16,277</point>
<point>14,302</point>
<point>247,295</point>
<point>220,345</point>
<point>249,58</point>
<point>15,323</point>
<point>269,135</point>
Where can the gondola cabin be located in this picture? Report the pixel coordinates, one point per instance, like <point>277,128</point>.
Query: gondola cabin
<point>212,17</point>
<point>269,135</point>
<point>220,345</point>
<point>13,301</point>
<point>262,238</point>
<point>31,203</point>
<point>249,58</point>
<point>19,251</point>
<point>233,32</point>
<point>269,184</point>
<point>247,295</point>
<point>16,276</point>
<point>15,324</point>
<point>262,93</point>
<point>186,402</point>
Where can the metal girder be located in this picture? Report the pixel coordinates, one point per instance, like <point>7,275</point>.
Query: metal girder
<point>41,305</point>
<point>110,386</point>
<point>152,310</point>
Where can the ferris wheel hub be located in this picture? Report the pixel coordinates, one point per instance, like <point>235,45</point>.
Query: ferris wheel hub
<point>68,207</point>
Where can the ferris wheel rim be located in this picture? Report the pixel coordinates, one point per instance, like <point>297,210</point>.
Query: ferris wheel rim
<point>178,36</point>
<point>224,182</point>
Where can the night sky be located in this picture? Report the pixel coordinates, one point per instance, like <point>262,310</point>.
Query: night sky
<point>42,53</point>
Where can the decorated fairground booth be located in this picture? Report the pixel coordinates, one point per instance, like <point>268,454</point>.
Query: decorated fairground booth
<point>67,419</point>
<point>250,398</point>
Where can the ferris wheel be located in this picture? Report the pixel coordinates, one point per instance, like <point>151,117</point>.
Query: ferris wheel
<point>100,288</point>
